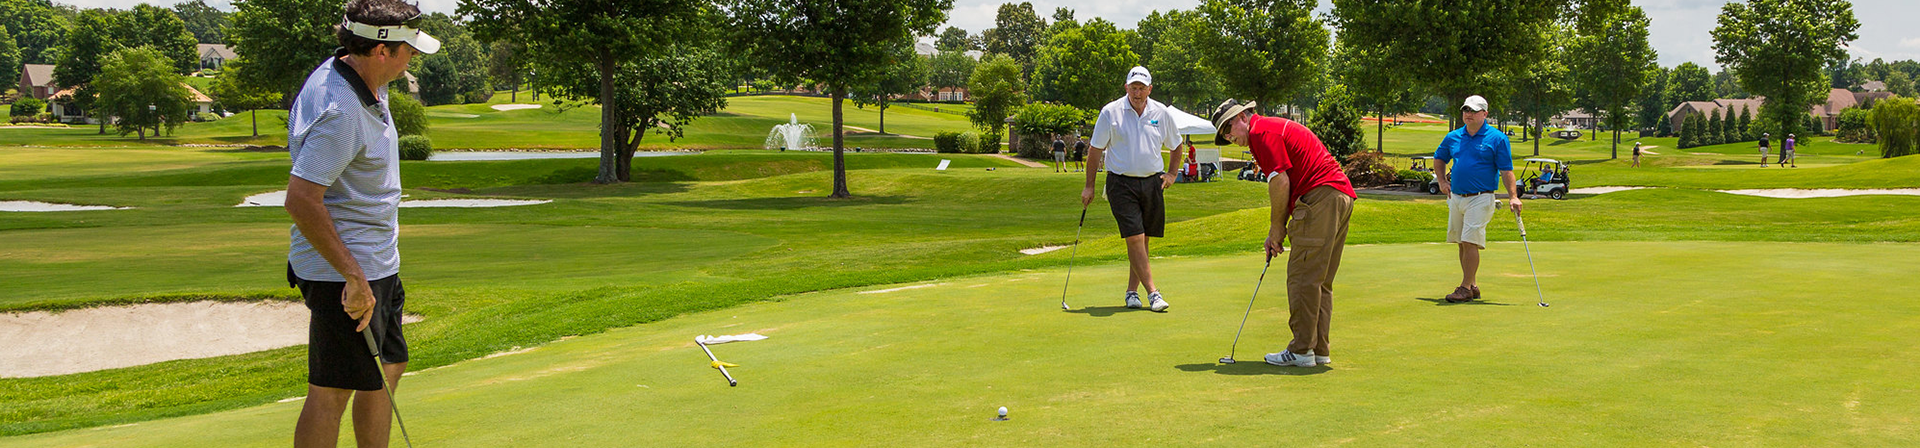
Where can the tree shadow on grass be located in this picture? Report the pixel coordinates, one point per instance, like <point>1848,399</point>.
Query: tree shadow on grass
<point>1105,311</point>
<point>793,203</point>
<point>1254,366</point>
<point>1444,302</point>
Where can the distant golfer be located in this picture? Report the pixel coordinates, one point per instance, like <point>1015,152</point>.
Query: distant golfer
<point>1059,154</point>
<point>1079,153</point>
<point>1480,155</point>
<point>1127,140</point>
<point>344,196</point>
<point>1311,201</point>
<point>1764,149</point>
<point>1786,153</point>
<point>1636,154</point>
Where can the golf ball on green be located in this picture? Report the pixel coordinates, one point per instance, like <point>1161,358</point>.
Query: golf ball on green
<point>1003,412</point>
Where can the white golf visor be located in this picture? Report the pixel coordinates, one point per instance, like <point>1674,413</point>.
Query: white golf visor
<point>394,33</point>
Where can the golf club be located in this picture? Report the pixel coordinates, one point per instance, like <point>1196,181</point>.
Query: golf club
<point>1072,255</point>
<point>717,364</point>
<point>1243,317</point>
<point>379,367</point>
<point>1536,272</point>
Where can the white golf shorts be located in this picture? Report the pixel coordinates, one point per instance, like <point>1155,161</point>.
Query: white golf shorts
<point>1467,218</point>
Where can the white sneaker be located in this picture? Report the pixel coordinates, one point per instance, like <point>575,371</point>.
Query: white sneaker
<point>1133,300</point>
<point>1322,360</point>
<point>1154,302</point>
<point>1286,358</point>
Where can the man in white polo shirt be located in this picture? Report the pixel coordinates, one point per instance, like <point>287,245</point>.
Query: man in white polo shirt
<point>343,193</point>
<point>1127,140</point>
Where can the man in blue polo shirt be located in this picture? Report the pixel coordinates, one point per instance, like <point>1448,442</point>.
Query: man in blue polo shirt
<point>1479,154</point>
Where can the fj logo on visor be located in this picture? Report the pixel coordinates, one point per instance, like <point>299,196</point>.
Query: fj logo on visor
<point>383,34</point>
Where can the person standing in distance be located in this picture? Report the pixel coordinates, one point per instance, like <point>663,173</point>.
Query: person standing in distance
<point>1127,141</point>
<point>343,194</point>
<point>1479,155</point>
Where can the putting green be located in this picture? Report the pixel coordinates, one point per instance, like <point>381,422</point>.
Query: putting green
<point>1670,343</point>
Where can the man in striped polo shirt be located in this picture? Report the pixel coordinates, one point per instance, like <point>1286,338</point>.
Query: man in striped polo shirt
<point>344,196</point>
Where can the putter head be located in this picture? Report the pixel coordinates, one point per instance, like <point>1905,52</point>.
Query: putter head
<point>1227,360</point>
<point>1543,304</point>
<point>1064,307</point>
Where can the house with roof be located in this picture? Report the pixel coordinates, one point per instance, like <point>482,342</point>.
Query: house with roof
<point>1677,117</point>
<point>1874,86</point>
<point>214,56</point>
<point>36,81</point>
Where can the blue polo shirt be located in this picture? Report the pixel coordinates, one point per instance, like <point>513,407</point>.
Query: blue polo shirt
<point>1476,160</point>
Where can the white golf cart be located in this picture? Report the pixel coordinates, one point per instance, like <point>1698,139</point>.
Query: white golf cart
<point>1424,164</point>
<point>1544,177</point>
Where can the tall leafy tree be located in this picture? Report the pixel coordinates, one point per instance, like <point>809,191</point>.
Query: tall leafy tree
<point>836,43</point>
<point>458,70</point>
<point>1448,52</point>
<point>152,26</point>
<point>907,75</point>
<point>1897,123</point>
<point>1083,67</point>
<point>9,55</point>
<point>1726,86</point>
<point>997,91</point>
<point>590,38</point>
<point>38,27</point>
<point>1265,50</point>
<point>1156,27</point>
<point>955,39</point>
<point>1612,62</point>
<point>285,39</point>
<point>1778,48</point>
<point>1017,32</point>
<point>207,24</point>
<point>949,69</point>
<point>658,95</point>
<point>1337,123</point>
<point>1690,82</point>
<point>1652,102</point>
<point>138,86</point>
<point>507,66</point>
<point>1180,76</point>
<point>1545,90</point>
<point>234,94</point>
<point>88,43</point>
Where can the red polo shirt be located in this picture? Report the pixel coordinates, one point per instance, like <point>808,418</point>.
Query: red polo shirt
<point>1280,144</point>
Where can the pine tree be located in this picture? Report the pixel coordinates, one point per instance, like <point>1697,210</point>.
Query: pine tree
<point>1664,128</point>
<point>1746,124</point>
<point>1713,135</point>
<point>1690,131</point>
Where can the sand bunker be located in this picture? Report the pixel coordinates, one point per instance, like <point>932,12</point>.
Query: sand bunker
<point>507,107</point>
<point>85,340</point>
<point>279,199</point>
<point>1041,250</point>
<point>452,156</point>
<point>32,206</point>
<point>1795,193</point>
<point>903,288</point>
<point>1602,190</point>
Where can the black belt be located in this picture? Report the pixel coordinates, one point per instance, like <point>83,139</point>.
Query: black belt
<point>1110,173</point>
<point>1471,194</point>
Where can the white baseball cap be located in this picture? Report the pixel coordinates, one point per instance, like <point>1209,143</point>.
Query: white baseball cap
<point>1475,104</point>
<point>405,32</point>
<point>1139,74</point>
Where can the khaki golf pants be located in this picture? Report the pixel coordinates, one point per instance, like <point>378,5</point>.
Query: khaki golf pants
<point>1318,229</point>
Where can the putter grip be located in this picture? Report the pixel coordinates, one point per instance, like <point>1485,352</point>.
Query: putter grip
<point>372,346</point>
<point>1521,223</point>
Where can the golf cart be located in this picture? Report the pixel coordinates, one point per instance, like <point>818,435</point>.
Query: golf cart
<point>1544,177</point>
<point>1423,164</point>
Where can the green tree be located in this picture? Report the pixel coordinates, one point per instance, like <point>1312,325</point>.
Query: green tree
<point>1746,124</point>
<point>1541,92</point>
<point>1083,67</point>
<point>1017,33</point>
<point>955,39</point>
<point>1845,74</point>
<point>1664,129</point>
<point>907,74</point>
<point>409,116</point>
<point>1714,129</point>
<point>594,40</point>
<point>997,90</point>
<point>233,94</point>
<point>39,29</point>
<point>1725,86</point>
<point>1447,52</point>
<point>1337,123</point>
<point>152,26</point>
<point>1612,63</point>
<point>1897,122</point>
<point>836,43</point>
<point>27,106</point>
<point>949,69</point>
<point>1690,82</point>
<point>1778,48</point>
<point>138,87</point>
<point>660,95</point>
<point>1652,102</point>
<point>285,39</point>
<point>88,43</point>
<point>507,66</point>
<point>459,69</point>
<point>1900,84</point>
<point>207,24</point>
<point>1180,77</point>
<point>1264,50</point>
<point>9,56</point>
<point>1155,28</point>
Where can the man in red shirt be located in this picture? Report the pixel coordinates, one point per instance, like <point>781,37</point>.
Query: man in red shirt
<point>1311,201</point>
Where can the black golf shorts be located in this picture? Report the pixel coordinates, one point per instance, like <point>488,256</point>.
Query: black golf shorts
<point>337,356</point>
<point>1137,205</point>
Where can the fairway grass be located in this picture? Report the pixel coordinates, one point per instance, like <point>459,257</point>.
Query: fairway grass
<point>1665,344</point>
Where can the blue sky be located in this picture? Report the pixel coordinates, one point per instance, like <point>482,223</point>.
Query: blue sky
<point>1679,30</point>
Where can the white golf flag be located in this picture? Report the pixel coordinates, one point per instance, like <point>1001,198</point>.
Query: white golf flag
<point>712,340</point>
<point>943,165</point>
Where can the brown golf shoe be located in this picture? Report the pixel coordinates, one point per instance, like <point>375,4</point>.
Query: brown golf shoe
<point>1461,294</point>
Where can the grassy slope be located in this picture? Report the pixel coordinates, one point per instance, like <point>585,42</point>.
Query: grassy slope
<point>1648,344</point>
